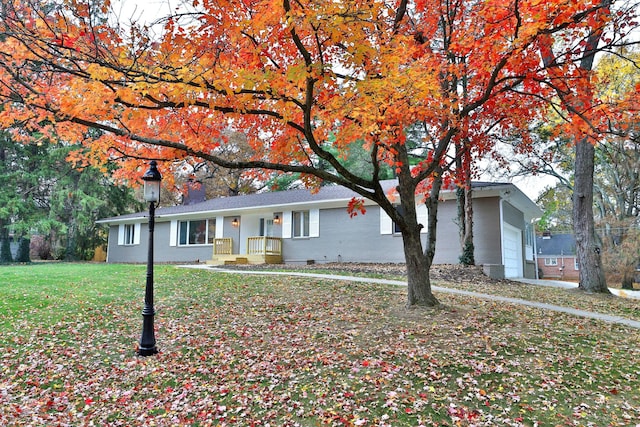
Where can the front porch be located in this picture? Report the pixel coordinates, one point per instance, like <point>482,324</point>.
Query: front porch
<point>260,250</point>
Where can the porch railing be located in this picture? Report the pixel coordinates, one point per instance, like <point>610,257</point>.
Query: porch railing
<point>264,246</point>
<point>223,246</point>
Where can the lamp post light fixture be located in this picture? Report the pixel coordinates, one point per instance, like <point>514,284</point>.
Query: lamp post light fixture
<point>152,180</point>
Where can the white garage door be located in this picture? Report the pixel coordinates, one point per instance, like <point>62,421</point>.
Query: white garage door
<point>512,251</point>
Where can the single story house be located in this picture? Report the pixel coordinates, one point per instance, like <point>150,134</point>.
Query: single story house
<point>556,255</point>
<point>299,226</point>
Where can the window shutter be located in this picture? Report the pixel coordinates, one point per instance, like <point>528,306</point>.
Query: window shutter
<point>286,224</point>
<point>121,234</point>
<point>136,234</point>
<point>314,223</point>
<point>423,216</point>
<point>386,225</point>
<point>173,233</point>
<point>219,227</point>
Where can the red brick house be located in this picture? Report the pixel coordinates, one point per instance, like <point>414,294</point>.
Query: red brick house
<point>556,256</point>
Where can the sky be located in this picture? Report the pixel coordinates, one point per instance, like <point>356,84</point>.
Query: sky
<point>533,186</point>
<point>147,11</point>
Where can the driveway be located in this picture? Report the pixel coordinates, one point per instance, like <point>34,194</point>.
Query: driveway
<point>569,285</point>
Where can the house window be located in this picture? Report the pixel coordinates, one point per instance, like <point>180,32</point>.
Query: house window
<point>529,235</point>
<point>576,264</point>
<point>550,262</point>
<point>300,224</point>
<point>530,238</point>
<point>129,234</point>
<point>197,232</point>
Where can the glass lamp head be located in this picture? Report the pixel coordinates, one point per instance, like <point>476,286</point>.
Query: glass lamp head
<point>152,180</point>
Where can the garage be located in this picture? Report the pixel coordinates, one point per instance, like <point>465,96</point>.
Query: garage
<point>511,251</point>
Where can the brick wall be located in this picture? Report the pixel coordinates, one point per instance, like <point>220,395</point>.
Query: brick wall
<point>564,270</point>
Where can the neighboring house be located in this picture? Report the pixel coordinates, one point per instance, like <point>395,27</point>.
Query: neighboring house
<point>299,226</point>
<point>556,255</point>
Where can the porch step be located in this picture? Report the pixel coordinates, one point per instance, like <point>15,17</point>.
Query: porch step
<point>237,260</point>
<point>220,260</point>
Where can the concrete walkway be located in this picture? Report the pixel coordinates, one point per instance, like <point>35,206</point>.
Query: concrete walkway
<point>581,313</point>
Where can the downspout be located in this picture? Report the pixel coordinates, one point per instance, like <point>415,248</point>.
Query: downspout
<point>501,234</point>
<point>109,244</point>
<point>535,249</point>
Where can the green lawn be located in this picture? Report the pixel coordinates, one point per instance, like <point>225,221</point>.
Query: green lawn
<point>260,350</point>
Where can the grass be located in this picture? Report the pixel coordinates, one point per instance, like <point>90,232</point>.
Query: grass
<point>261,350</point>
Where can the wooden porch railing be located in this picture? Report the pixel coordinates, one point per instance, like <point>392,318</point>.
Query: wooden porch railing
<point>223,246</point>
<point>264,246</point>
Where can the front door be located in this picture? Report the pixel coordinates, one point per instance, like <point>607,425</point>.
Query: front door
<point>266,227</point>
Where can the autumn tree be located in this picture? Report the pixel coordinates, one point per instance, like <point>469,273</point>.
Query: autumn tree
<point>584,118</point>
<point>617,165</point>
<point>303,80</point>
<point>613,111</point>
<point>556,204</point>
<point>216,180</point>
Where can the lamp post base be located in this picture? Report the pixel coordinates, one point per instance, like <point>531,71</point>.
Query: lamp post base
<point>147,344</point>
<point>144,352</point>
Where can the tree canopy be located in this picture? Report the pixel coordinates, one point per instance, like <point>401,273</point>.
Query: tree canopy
<point>304,80</point>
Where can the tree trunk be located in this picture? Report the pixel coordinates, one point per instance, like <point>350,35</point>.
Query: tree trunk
<point>465,218</point>
<point>418,261</point>
<point>468,248</point>
<point>71,249</point>
<point>23,254</point>
<point>465,204</point>
<point>588,247</point>
<point>5,244</point>
<point>418,266</point>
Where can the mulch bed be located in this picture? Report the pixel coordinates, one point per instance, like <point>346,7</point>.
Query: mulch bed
<point>440,272</point>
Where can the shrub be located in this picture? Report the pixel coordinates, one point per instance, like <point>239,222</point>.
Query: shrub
<point>40,248</point>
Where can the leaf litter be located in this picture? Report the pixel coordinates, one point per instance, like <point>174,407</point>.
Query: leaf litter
<point>264,351</point>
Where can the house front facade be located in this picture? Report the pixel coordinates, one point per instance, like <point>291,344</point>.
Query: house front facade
<point>298,226</point>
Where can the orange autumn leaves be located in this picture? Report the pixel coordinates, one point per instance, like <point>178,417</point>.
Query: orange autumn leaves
<point>297,77</point>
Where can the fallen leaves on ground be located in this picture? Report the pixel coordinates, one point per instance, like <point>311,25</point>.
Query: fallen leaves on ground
<point>472,278</point>
<point>282,351</point>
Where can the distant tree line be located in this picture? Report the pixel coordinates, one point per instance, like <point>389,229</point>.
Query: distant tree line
<point>48,205</point>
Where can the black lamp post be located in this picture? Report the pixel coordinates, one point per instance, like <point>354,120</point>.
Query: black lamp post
<point>152,179</point>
